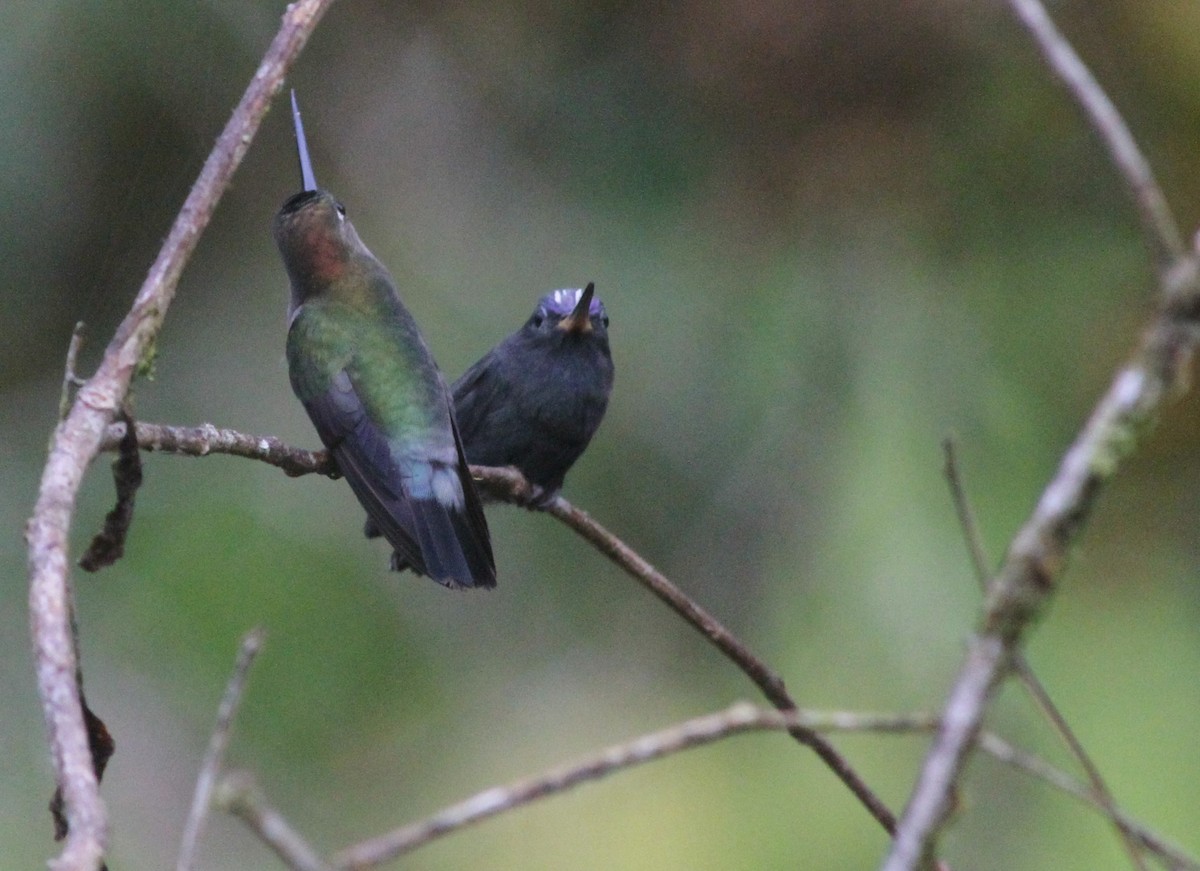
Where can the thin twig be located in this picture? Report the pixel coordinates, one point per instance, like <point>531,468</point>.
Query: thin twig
<point>965,513</point>
<point>70,379</point>
<point>1002,751</point>
<point>509,485</point>
<point>1037,555</point>
<point>506,484</point>
<point>215,755</point>
<point>1158,225</point>
<point>1024,671</point>
<point>241,796</point>
<point>77,439</point>
<point>739,718</point>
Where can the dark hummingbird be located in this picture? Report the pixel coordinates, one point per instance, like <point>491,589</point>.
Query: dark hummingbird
<point>535,400</point>
<point>380,405</point>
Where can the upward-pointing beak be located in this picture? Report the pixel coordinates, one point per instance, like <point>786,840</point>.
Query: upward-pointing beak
<point>308,179</point>
<point>580,318</point>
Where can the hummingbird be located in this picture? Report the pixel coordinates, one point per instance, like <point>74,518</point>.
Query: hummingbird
<point>535,400</point>
<point>358,364</point>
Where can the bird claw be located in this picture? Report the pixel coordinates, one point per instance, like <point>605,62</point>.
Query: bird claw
<point>537,498</point>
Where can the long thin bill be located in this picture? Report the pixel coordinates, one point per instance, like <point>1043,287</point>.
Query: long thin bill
<point>307,177</point>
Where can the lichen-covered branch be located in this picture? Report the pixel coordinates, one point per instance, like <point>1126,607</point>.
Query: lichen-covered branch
<point>200,441</point>
<point>77,438</point>
<point>1024,671</point>
<point>1037,556</point>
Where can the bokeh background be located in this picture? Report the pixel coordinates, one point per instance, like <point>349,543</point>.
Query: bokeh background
<point>827,234</point>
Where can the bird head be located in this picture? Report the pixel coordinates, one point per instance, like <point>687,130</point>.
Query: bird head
<point>571,312</point>
<point>316,240</point>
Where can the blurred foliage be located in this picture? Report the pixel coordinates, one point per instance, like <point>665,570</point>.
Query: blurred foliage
<point>827,234</point>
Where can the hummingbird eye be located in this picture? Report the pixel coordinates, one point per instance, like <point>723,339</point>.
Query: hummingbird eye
<point>604,320</point>
<point>539,317</point>
<point>341,210</point>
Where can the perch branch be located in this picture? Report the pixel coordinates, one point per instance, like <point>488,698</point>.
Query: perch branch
<point>1024,671</point>
<point>215,755</point>
<point>77,438</point>
<point>509,485</point>
<point>1037,555</point>
<point>200,441</point>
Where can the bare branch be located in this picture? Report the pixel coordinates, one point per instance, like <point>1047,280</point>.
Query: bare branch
<point>1038,553</point>
<point>215,755</point>
<point>240,795</point>
<point>1037,557</point>
<point>77,439</point>
<point>966,515</point>
<point>200,441</point>
<point>1002,751</point>
<point>1033,686</point>
<point>739,718</point>
<point>731,646</point>
<point>70,379</point>
<point>1158,224</point>
<point>505,483</point>
<point>509,485</point>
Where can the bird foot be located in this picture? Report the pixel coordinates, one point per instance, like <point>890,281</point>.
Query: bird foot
<point>537,498</point>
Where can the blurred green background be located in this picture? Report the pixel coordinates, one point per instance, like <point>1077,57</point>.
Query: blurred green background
<point>827,234</point>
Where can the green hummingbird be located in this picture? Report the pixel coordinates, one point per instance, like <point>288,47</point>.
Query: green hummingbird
<point>358,364</point>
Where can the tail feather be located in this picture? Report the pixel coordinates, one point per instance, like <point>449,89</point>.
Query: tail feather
<point>449,545</point>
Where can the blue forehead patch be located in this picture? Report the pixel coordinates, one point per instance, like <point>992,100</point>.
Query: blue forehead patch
<point>563,302</point>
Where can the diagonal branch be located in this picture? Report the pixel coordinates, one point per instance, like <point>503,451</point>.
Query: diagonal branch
<point>242,797</point>
<point>763,676</point>
<point>1024,671</point>
<point>1037,555</point>
<point>1170,855</point>
<point>697,732</point>
<point>509,485</point>
<point>1035,561</point>
<point>239,794</point>
<point>210,769</point>
<point>1158,224</point>
<point>77,439</point>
